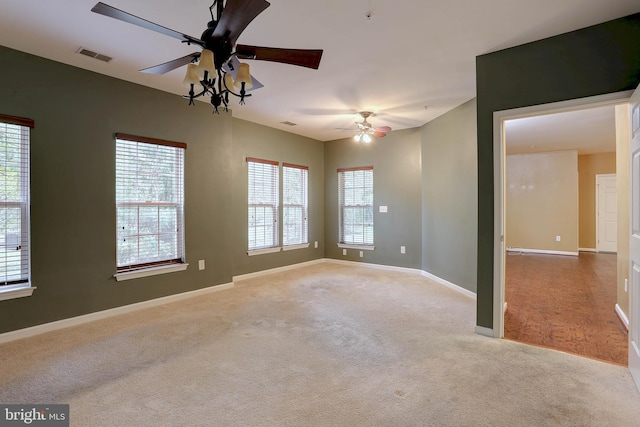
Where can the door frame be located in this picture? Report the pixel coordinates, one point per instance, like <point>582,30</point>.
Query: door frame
<point>499,167</point>
<point>598,176</point>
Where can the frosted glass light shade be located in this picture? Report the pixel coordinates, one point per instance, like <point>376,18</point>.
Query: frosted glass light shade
<point>366,138</point>
<point>191,77</point>
<point>207,62</point>
<point>243,76</point>
<point>357,137</point>
<point>228,81</point>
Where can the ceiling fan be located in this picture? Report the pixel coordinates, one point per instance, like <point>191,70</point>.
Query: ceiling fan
<point>219,72</point>
<point>366,130</point>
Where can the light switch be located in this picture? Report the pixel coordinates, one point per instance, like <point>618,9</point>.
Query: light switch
<point>383,209</point>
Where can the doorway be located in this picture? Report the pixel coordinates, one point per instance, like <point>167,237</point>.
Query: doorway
<point>499,182</point>
<point>560,200</point>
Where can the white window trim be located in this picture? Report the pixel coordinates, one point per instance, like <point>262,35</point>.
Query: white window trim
<point>294,247</point>
<point>16,293</point>
<point>151,271</point>
<point>361,247</point>
<point>264,251</point>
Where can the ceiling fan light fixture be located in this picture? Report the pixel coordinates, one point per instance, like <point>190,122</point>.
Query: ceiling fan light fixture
<point>192,76</point>
<point>366,138</point>
<point>243,76</point>
<point>210,75</point>
<point>357,137</point>
<point>207,61</point>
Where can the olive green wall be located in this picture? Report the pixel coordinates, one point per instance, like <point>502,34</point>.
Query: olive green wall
<point>396,184</point>
<point>597,60</point>
<point>250,140</point>
<point>73,226</point>
<point>449,196</point>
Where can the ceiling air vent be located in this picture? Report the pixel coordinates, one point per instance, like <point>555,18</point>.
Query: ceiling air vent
<point>288,123</point>
<point>95,55</point>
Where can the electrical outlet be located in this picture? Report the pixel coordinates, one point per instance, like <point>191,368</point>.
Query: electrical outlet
<point>201,264</point>
<point>402,249</point>
<point>361,254</point>
<point>344,252</point>
<point>315,244</point>
<point>383,209</point>
<point>557,238</point>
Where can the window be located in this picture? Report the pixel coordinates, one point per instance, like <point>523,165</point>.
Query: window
<point>355,204</point>
<point>149,202</point>
<point>294,204</point>
<point>263,204</point>
<point>14,207</point>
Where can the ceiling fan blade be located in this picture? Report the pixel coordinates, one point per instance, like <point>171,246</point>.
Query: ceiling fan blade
<point>237,14</point>
<point>383,129</point>
<point>231,66</point>
<point>309,58</point>
<point>112,12</point>
<point>172,65</point>
<point>379,134</point>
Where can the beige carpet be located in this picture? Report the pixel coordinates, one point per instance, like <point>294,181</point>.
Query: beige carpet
<point>324,345</point>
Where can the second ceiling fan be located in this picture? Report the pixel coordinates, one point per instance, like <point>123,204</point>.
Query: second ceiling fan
<point>366,130</point>
<point>219,72</point>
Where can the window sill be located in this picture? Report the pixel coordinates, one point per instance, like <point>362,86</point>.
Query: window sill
<point>360,247</point>
<point>263,251</point>
<point>294,247</point>
<point>128,275</point>
<point>16,293</point>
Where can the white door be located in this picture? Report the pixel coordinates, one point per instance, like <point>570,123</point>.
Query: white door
<point>606,213</point>
<point>634,242</point>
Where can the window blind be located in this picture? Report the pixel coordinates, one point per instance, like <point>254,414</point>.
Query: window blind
<point>14,201</point>
<point>149,202</point>
<point>263,203</point>
<point>355,202</point>
<point>295,207</point>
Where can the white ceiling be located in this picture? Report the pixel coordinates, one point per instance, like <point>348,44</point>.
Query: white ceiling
<point>410,54</point>
<point>589,131</point>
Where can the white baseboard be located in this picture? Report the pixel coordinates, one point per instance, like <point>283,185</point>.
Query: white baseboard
<point>450,285</point>
<point>277,270</point>
<point>370,265</point>
<point>542,251</point>
<point>426,274</point>
<point>587,250</point>
<point>623,317</point>
<point>85,318</point>
<point>481,330</point>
